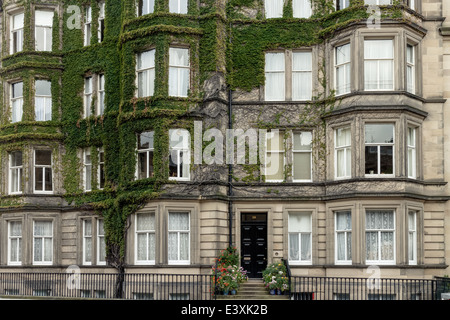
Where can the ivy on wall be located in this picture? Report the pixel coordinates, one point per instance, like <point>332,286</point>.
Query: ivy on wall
<point>220,38</point>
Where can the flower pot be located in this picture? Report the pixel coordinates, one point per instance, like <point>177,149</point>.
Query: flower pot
<point>225,293</point>
<point>272,291</point>
<point>278,292</point>
<point>233,292</point>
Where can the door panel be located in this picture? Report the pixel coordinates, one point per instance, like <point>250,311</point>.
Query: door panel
<point>254,243</point>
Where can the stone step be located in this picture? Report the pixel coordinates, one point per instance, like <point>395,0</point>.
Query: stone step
<point>252,289</point>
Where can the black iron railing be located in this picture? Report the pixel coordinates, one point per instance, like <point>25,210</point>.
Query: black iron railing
<point>339,288</point>
<point>103,286</point>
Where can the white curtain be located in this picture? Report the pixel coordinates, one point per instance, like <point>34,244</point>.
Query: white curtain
<point>17,33</point>
<point>343,69</point>
<point>101,254</point>
<point>17,110</point>
<point>380,235</point>
<point>145,228</point>
<point>43,241</point>
<point>43,30</point>
<point>301,8</point>
<point>299,228</point>
<point>378,64</point>
<point>301,75</point>
<point>146,73</point>
<point>178,236</point>
<point>87,241</point>
<point>178,72</point>
<point>273,8</point>
<point>343,235</point>
<point>15,234</point>
<point>410,70</point>
<point>178,6</point>
<point>275,77</point>
<point>343,152</point>
<point>147,6</point>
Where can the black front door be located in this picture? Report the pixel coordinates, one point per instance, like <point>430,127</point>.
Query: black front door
<point>254,243</point>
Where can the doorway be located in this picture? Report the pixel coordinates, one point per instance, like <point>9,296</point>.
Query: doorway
<point>254,243</point>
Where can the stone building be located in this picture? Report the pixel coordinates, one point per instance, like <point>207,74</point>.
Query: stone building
<point>100,99</point>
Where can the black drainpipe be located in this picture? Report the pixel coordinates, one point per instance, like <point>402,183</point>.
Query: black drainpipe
<point>230,172</point>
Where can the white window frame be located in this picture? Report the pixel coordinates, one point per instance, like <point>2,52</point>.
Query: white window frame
<point>347,233</point>
<point>101,22</point>
<point>378,66</point>
<point>18,244</point>
<point>19,174</point>
<point>378,261</point>
<point>178,6</point>
<point>87,169</point>
<point>18,30</point>
<point>147,233</point>
<point>48,40</point>
<point>100,110</point>
<point>140,7</point>
<point>280,152</point>
<point>294,151</point>
<point>300,261</point>
<point>18,99</point>
<point>45,99</point>
<point>88,92</point>
<point>412,237</point>
<point>412,152</point>
<point>87,237</point>
<point>101,168</point>
<point>345,148</point>
<point>185,149</point>
<point>378,145</point>
<point>43,237</point>
<point>178,69</point>
<point>101,240</point>
<point>88,26</point>
<point>148,152</point>
<point>411,68</point>
<point>269,72</point>
<point>150,77</point>
<point>304,72</point>
<point>178,233</point>
<point>44,168</point>
<point>338,66</point>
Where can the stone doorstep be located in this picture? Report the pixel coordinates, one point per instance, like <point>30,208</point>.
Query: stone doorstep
<point>253,289</point>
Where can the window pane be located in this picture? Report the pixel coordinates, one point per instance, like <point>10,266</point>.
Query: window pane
<point>343,54</point>
<point>386,160</point>
<point>274,61</point>
<point>179,57</point>
<point>379,133</point>
<point>302,141</point>
<point>146,59</point>
<point>378,49</point>
<point>43,157</point>
<point>343,137</point>
<point>178,6</point>
<point>294,249</point>
<point>274,166</point>
<point>43,88</point>
<point>178,221</point>
<point>301,85</point>
<point>44,18</point>
<point>43,228</point>
<point>145,222</point>
<point>302,166</point>
<point>299,222</point>
<point>145,140</point>
<point>273,8</point>
<point>17,90</point>
<point>301,61</point>
<point>18,21</point>
<point>371,160</point>
<point>275,141</point>
<point>301,8</point>
<point>343,221</point>
<point>16,158</point>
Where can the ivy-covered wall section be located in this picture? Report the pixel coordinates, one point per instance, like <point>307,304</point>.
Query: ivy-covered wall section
<point>227,41</point>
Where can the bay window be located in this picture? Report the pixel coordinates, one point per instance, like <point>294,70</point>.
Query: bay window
<point>380,237</point>
<point>275,156</point>
<point>178,72</point>
<point>145,73</point>
<point>342,69</point>
<point>43,181</point>
<point>15,172</point>
<point>379,149</point>
<point>42,242</point>
<point>16,102</point>
<point>179,238</point>
<point>343,153</point>
<point>14,242</point>
<point>43,100</point>
<point>343,237</point>
<point>145,241</point>
<point>145,155</point>
<point>16,36</point>
<point>378,64</point>
<point>299,234</point>
<point>179,154</point>
<point>302,156</point>
<point>43,30</point>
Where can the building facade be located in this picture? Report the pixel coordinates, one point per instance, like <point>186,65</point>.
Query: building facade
<point>109,111</point>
